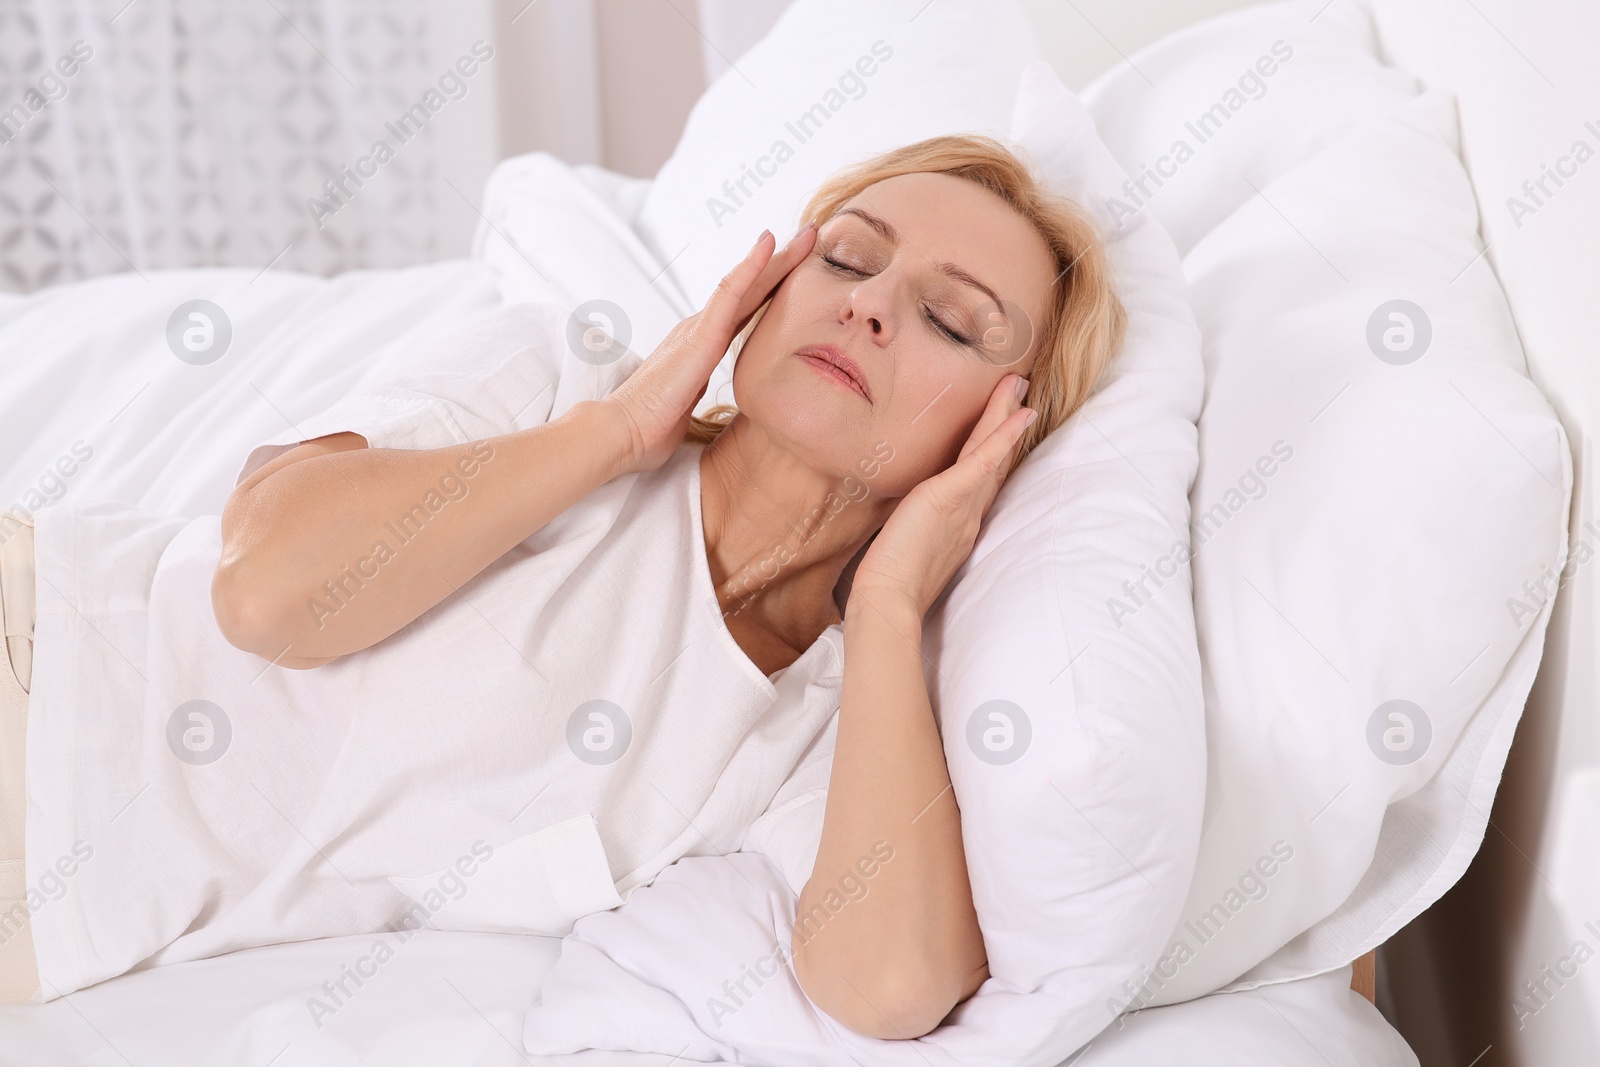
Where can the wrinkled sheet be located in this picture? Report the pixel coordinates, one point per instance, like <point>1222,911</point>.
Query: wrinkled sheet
<point>457,998</point>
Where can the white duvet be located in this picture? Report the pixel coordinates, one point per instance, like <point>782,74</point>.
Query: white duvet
<point>91,362</point>
<point>88,365</point>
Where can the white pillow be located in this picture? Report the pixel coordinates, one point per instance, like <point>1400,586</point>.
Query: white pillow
<point>561,234</point>
<point>1201,114</point>
<point>1080,838</point>
<point>833,82</point>
<point>1379,481</point>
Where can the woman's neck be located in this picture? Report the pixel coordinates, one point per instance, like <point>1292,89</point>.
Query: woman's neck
<point>778,533</point>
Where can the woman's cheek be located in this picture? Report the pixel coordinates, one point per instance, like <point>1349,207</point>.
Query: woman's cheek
<point>917,457</point>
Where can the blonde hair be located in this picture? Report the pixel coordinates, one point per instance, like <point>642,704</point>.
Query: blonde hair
<point>1086,320</point>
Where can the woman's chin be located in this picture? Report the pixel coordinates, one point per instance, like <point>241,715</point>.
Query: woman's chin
<point>816,426</point>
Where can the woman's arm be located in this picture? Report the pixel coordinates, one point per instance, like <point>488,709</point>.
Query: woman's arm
<point>886,939</point>
<point>316,515</point>
<point>304,530</point>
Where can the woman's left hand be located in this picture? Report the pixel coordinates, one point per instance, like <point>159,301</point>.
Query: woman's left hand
<point>932,530</point>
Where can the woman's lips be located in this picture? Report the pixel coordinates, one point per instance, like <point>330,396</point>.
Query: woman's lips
<point>834,364</point>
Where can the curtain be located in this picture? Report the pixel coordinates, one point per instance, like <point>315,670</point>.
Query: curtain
<point>147,134</point>
<point>153,134</point>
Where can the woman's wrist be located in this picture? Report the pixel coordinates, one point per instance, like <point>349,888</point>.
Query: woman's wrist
<point>874,603</point>
<point>608,430</point>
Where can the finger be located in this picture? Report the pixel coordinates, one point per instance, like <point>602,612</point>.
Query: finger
<point>722,309</point>
<point>778,267</point>
<point>981,471</point>
<point>1002,402</point>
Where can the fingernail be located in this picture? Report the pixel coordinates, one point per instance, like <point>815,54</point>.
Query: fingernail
<point>1033,413</point>
<point>1022,388</point>
<point>762,236</point>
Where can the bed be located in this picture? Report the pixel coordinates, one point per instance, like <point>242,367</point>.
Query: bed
<point>462,997</point>
<point>444,996</point>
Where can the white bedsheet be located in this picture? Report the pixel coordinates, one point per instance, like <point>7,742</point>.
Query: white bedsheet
<point>455,998</point>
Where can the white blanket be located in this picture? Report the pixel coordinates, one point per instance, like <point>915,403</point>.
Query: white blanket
<point>90,363</point>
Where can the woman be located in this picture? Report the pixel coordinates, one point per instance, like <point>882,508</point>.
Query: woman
<point>882,367</point>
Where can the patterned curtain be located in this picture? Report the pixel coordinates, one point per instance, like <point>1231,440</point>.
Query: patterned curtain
<point>146,134</point>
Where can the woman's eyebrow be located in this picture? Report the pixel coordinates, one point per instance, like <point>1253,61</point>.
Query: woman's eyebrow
<point>949,270</point>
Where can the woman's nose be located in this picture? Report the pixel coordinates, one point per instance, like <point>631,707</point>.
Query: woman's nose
<point>870,304</point>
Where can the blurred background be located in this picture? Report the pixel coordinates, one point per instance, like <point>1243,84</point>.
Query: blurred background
<point>202,132</point>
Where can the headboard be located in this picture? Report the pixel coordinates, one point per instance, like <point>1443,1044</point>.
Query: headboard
<point>1528,88</point>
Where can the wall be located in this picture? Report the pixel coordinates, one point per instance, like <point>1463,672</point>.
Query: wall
<point>1084,38</point>
<point>623,105</point>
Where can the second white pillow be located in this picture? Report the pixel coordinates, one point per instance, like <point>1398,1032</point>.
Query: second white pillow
<point>1379,484</point>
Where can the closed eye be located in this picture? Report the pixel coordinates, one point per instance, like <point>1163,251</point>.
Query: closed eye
<point>849,271</point>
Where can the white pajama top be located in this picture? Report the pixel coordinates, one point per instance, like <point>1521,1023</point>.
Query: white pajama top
<point>532,749</point>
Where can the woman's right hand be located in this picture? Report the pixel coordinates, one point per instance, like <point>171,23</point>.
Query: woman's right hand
<point>655,401</point>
